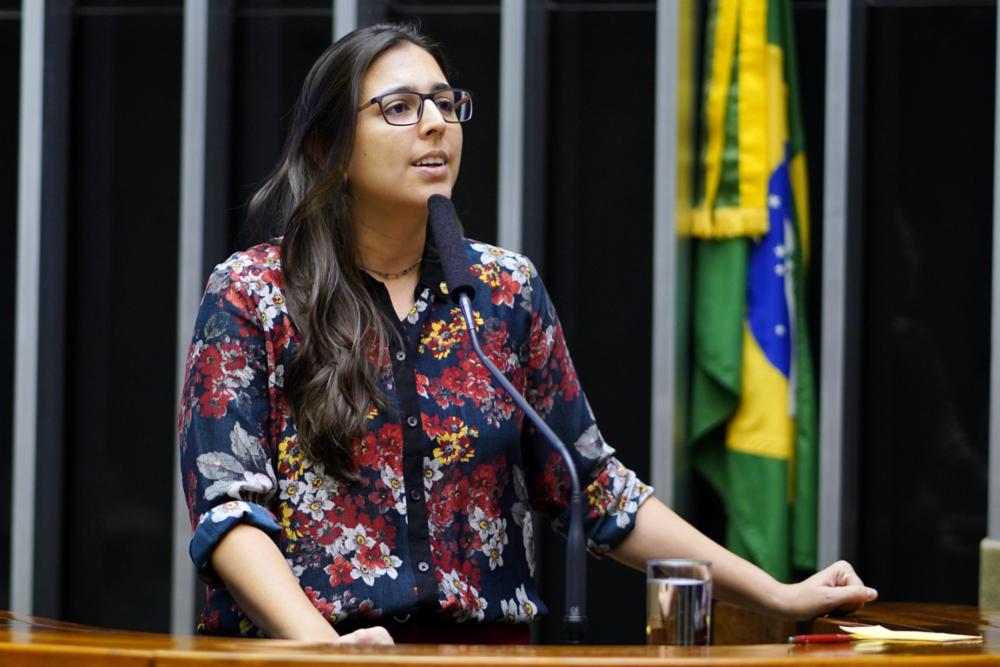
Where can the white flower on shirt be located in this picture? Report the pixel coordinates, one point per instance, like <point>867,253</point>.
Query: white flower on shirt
<point>494,550</point>
<point>520,268</point>
<point>291,489</point>
<point>454,584</point>
<point>488,253</point>
<point>246,472</point>
<point>317,484</point>
<point>520,609</point>
<point>355,538</point>
<point>432,472</point>
<point>230,510</point>
<point>419,306</point>
<point>317,507</point>
<point>591,444</point>
<point>624,488</point>
<point>389,561</point>
<point>270,306</point>
<point>363,572</point>
<point>394,483</point>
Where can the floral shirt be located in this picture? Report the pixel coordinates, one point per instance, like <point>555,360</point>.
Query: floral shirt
<point>439,518</point>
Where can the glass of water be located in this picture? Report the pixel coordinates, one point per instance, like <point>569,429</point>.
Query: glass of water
<point>678,602</point>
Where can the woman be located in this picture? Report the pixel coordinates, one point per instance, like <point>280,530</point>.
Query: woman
<point>347,462</point>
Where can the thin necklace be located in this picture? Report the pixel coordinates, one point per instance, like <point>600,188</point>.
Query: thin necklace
<point>385,275</point>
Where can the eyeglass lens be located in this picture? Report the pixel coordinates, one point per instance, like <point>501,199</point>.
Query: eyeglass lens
<point>454,105</point>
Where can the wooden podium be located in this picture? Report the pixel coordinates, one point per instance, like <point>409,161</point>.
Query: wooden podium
<point>741,638</point>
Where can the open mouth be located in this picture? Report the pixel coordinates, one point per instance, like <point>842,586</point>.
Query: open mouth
<point>431,161</point>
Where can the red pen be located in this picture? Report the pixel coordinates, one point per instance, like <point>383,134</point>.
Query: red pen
<point>819,639</point>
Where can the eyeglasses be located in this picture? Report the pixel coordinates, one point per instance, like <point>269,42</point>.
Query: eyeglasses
<point>406,108</point>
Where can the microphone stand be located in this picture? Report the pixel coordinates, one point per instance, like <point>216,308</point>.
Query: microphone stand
<point>576,563</point>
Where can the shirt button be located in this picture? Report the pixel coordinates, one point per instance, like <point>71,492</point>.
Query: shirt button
<point>412,421</point>
<point>423,566</point>
<point>415,495</point>
<point>401,356</point>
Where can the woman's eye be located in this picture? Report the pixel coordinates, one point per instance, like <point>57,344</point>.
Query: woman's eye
<point>446,105</point>
<point>396,108</point>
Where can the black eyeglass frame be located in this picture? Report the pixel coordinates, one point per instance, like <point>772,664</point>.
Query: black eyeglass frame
<point>465,99</point>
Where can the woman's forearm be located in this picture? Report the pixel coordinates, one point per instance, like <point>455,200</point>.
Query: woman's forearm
<point>660,533</point>
<point>257,576</point>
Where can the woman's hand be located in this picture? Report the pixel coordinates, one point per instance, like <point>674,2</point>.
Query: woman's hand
<point>835,588</point>
<point>375,636</point>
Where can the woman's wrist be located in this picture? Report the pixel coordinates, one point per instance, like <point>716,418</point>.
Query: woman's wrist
<point>778,599</point>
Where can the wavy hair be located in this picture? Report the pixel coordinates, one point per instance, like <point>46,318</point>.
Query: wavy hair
<point>331,382</point>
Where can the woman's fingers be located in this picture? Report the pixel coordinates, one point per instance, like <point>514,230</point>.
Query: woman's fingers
<point>852,598</point>
<point>838,574</point>
<point>843,574</point>
<point>376,635</point>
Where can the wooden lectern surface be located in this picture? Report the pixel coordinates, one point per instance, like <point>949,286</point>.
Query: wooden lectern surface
<point>33,641</point>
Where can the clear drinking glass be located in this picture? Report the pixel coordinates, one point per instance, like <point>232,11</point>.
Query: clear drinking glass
<point>678,602</point>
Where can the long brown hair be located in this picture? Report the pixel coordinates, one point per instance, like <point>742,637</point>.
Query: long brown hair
<point>331,381</point>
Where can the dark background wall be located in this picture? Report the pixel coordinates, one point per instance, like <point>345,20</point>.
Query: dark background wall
<point>925,330</point>
<point>921,224</point>
<point>120,295</point>
<point>599,230</point>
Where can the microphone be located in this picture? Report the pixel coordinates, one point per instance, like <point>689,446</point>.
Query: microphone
<point>445,229</point>
<point>447,235</point>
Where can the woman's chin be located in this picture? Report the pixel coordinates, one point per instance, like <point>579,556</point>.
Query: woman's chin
<point>428,192</point>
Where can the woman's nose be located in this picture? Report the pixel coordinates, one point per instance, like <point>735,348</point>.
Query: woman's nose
<point>431,119</point>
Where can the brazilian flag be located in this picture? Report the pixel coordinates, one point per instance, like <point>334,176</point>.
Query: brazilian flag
<point>753,400</point>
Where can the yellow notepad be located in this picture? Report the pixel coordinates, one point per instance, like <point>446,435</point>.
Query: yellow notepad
<point>885,634</point>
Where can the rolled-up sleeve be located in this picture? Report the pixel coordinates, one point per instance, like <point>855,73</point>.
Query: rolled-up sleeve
<point>226,456</point>
<point>614,492</point>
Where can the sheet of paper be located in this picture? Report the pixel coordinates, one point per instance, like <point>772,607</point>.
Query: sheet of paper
<point>879,632</point>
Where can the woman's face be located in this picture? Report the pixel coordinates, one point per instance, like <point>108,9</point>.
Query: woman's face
<point>396,167</point>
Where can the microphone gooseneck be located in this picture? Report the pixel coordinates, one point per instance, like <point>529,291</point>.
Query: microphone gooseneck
<point>444,227</point>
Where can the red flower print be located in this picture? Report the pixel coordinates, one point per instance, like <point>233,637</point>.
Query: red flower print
<point>323,606</point>
<point>506,290</point>
<point>339,571</point>
<point>366,452</point>
<point>540,343</point>
<point>422,383</point>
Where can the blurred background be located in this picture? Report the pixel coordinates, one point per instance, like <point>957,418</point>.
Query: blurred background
<point>917,213</point>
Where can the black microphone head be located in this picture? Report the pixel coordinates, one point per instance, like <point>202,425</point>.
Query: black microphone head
<point>447,233</point>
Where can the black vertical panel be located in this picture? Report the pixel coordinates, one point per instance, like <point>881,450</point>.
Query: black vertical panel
<point>470,35</point>
<point>536,110</point>
<point>10,71</point>
<point>599,260</point>
<point>810,37</point>
<point>273,46</point>
<point>926,307</point>
<point>50,396</point>
<point>218,136</point>
<point>121,295</point>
